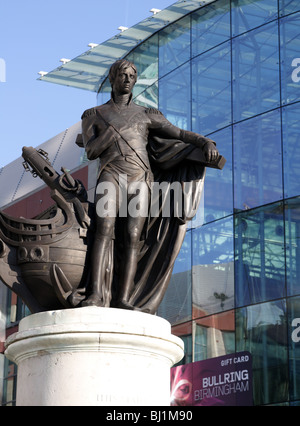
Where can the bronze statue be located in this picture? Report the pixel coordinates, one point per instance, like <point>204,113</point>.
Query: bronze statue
<point>118,251</point>
<point>129,267</point>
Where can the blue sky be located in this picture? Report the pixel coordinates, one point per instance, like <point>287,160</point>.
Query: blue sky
<point>34,36</point>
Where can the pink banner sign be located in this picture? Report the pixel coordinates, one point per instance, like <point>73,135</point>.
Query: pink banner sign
<point>222,381</point>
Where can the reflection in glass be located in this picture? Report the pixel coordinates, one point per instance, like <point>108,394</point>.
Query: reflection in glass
<point>184,331</point>
<point>261,330</point>
<point>255,59</point>
<point>213,271</point>
<point>259,255</point>
<point>176,304</point>
<point>290,51</point>
<point>288,6</point>
<point>9,384</point>
<point>16,309</point>
<point>214,336</point>
<point>174,45</point>
<point>257,161</point>
<point>292,231</point>
<point>248,14</point>
<point>294,346</point>
<point>148,98</point>
<point>211,90</point>
<point>218,187</point>
<point>174,97</point>
<point>291,150</point>
<point>210,26</point>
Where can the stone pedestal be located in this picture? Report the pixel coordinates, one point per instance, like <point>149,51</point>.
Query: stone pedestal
<point>93,356</point>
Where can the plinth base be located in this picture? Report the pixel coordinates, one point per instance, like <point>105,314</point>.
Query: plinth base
<point>93,356</point>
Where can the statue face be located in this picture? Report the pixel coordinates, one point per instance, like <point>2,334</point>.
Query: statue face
<point>124,81</point>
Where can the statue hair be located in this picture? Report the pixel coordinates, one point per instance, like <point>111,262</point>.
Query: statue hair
<point>120,64</point>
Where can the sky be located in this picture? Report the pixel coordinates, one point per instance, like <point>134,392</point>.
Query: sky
<point>34,36</point>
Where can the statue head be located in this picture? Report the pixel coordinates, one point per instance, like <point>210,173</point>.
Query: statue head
<point>122,75</point>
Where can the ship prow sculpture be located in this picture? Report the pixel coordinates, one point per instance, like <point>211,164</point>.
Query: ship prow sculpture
<point>44,260</point>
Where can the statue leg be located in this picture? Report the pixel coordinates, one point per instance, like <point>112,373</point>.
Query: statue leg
<point>133,231</point>
<point>99,262</point>
<point>130,261</point>
<point>106,202</point>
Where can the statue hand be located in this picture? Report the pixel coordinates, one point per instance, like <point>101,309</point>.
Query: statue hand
<point>210,151</point>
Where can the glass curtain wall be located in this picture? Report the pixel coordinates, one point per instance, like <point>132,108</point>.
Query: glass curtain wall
<point>231,71</point>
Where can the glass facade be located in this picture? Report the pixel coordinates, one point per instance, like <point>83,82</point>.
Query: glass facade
<point>226,71</point>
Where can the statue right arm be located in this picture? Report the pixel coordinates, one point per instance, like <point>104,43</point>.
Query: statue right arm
<point>96,134</point>
<point>163,128</point>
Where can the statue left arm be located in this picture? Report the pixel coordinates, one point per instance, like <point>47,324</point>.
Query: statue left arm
<point>161,127</point>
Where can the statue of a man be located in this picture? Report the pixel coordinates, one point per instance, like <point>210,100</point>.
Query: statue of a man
<point>126,261</point>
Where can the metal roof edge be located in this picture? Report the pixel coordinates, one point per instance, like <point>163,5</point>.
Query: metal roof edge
<point>89,70</point>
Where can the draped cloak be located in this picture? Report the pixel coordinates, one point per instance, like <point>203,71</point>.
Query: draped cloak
<point>171,163</point>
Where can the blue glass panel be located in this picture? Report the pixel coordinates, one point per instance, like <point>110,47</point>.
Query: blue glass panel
<point>210,26</point>
<point>259,255</point>
<point>291,150</point>
<point>290,58</point>
<point>175,96</point>
<point>257,161</point>
<point>218,186</point>
<point>211,90</point>
<point>255,68</point>
<point>288,6</point>
<point>294,346</point>
<point>262,330</point>
<point>176,305</point>
<point>174,45</point>
<point>248,14</point>
<point>292,231</point>
<point>213,274</point>
<point>105,93</point>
